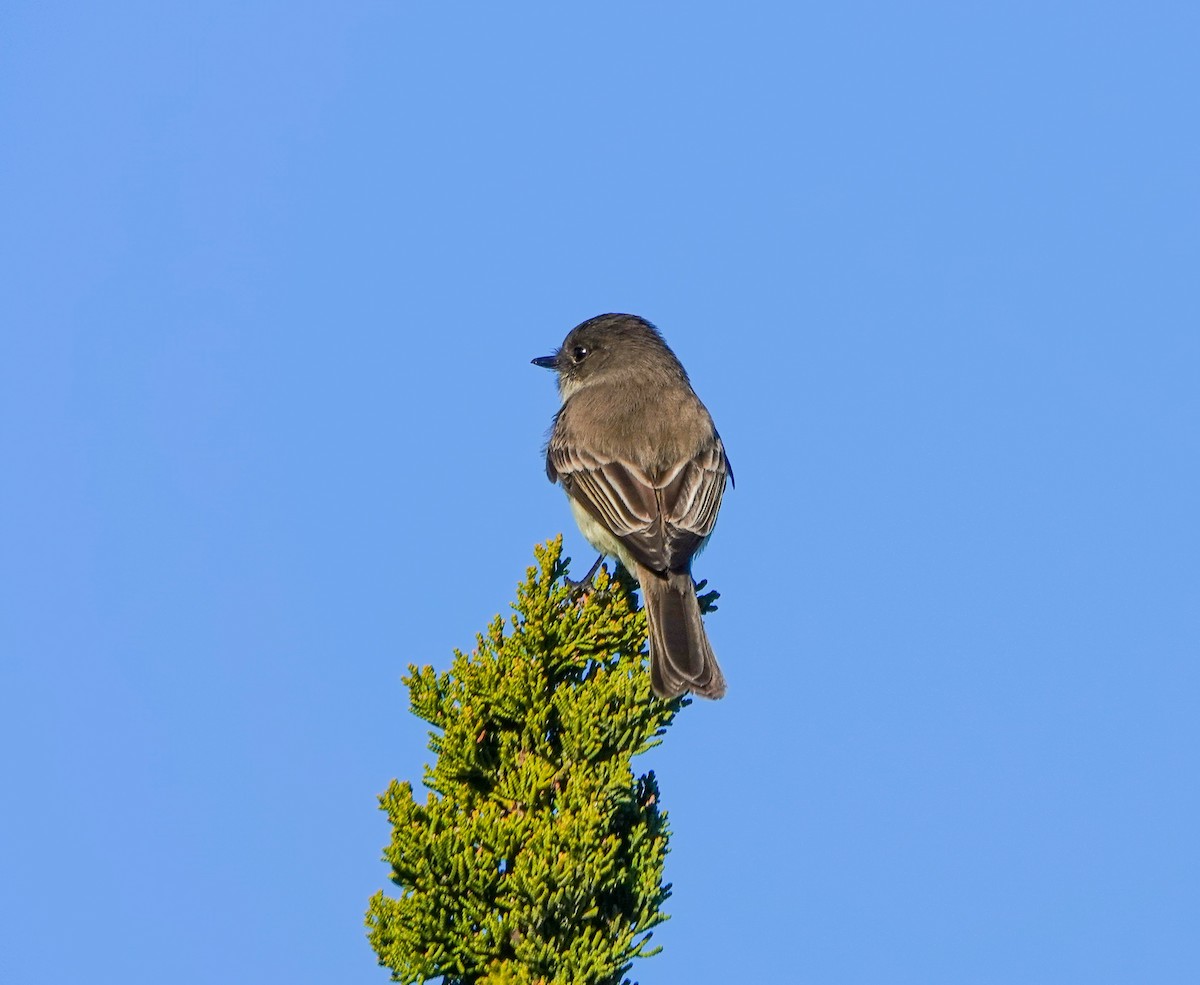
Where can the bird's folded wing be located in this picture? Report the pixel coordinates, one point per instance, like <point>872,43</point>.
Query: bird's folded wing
<point>661,521</point>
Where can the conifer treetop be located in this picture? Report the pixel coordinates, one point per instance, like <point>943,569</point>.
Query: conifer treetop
<point>538,854</point>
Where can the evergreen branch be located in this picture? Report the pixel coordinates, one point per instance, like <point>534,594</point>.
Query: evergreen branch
<point>538,855</point>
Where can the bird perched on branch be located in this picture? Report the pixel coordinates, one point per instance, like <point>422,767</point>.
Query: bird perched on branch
<point>644,470</point>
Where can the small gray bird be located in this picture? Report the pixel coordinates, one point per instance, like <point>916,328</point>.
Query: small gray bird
<point>644,471</point>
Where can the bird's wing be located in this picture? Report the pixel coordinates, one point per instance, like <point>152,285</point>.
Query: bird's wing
<point>662,521</point>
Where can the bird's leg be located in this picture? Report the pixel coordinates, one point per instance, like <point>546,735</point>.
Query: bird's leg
<point>578,587</point>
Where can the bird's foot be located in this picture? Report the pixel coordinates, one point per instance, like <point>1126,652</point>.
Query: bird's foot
<point>582,586</point>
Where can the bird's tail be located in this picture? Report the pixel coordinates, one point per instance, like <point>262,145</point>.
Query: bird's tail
<point>681,658</point>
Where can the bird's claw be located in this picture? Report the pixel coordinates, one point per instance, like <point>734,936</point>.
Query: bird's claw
<point>579,587</point>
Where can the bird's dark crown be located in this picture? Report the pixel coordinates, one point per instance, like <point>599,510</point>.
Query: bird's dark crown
<point>613,342</point>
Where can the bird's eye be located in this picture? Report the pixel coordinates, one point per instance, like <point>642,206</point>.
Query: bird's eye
<point>579,353</point>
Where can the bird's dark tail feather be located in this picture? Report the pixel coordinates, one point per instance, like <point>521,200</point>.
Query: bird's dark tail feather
<point>681,658</point>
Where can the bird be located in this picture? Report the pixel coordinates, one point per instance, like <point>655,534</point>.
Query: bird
<point>644,470</point>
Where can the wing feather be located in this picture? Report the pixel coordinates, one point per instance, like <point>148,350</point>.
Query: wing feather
<point>661,522</point>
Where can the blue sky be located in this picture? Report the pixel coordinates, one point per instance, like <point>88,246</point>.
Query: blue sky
<point>273,277</point>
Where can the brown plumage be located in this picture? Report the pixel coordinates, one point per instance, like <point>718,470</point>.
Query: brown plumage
<point>645,470</point>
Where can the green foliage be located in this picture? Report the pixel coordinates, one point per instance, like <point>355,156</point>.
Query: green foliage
<point>538,855</point>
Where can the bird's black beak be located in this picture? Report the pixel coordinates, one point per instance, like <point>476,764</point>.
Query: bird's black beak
<point>546,362</point>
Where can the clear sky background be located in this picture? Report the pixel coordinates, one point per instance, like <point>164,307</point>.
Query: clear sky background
<point>272,275</point>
